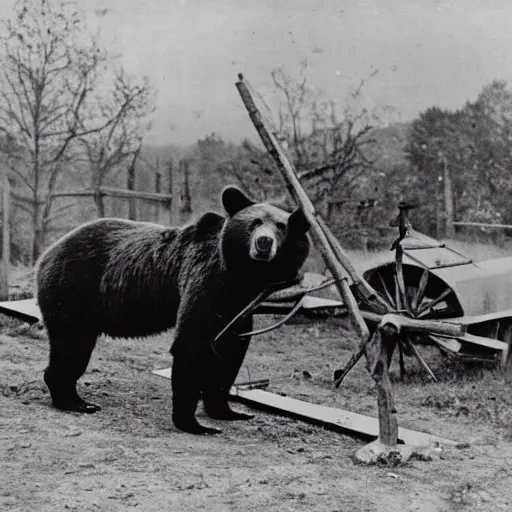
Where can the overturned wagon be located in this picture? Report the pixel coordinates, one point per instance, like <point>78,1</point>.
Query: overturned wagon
<point>440,288</point>
<point>442,285</point>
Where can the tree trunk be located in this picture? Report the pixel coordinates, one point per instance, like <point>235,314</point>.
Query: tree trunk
<point>448,201</point>
<point>170,190</point>
<point>130,185</point>
<point>4,269</point>
<point>37,241</point>
<point>98,201</point>
<point>186,200</point>
<point>158,186</point>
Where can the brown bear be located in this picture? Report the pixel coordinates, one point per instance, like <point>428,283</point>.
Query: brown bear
<point>133,279</point>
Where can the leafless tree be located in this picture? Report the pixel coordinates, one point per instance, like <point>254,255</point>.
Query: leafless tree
<point>106,150</point>
<point>327,147</point>
<point>52,74</point>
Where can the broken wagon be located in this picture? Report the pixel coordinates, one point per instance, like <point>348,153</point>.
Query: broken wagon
<point>438,285</point>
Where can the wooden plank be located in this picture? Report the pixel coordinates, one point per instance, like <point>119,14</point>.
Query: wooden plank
<point>339,420</point>
<point>26,310</point>
<point>330,418</point>
<point>74,193</point>
<point>117,192</point>
<point>483,225</point>
<point>150,196</point>
<point>450,344</point>
<point>483,342</point>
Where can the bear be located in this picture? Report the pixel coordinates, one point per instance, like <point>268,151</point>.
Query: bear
<point>131,279</point>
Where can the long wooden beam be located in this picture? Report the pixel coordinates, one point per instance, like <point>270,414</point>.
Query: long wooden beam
<point>330,418</point>
<point>482,225</point>
<point>117,192</point>
<point>151,196</point>
<point>363,427</point>
<point>339,273</point>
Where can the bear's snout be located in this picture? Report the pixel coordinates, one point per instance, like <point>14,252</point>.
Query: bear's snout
<point>264,246</point>
<point>264,243</point>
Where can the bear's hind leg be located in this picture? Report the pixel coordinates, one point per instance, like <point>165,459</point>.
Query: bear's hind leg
<point>69,357</point>
<point>186,391</point>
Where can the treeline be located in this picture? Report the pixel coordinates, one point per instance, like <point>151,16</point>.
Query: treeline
<point>460,162</point>
<point>454,165</point>
<point>71,118</point>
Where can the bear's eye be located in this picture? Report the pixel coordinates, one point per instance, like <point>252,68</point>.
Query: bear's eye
<point>256,223</point>
<point>281,226</point>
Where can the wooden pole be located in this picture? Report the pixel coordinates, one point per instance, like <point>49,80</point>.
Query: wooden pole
<point>300,197</point>
<point>158,184</point>
<point>4,264</point>
<point>169,189</point>
<point>382,342</point>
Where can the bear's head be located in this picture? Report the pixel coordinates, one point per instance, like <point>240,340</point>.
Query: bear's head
<point>260,242</point>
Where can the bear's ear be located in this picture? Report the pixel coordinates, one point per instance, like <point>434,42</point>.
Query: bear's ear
<point>298,224</point>
<point>234,200</point>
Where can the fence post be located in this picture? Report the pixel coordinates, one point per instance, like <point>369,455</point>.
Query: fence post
<point>6,252</point>
<point>170,185</point>
<point>186,200</point>
<point>158,185</point>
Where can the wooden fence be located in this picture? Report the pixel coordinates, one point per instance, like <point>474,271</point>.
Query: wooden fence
<point>7,197</point>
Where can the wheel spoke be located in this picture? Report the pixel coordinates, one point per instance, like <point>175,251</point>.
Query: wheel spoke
<point>386,291</point>
<point>421,361</point>
<point>400,276</point>
<point>401,361</point>
<point>416,301</point>
<point>428,307</point>
<point>398,301</point>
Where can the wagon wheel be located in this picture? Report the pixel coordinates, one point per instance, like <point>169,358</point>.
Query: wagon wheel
<point>416,293</point>
<point>413,292</point>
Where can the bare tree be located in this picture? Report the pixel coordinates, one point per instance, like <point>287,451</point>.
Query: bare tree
<point>51,69</point>
<point>107,149</point>
<point>327,147</point>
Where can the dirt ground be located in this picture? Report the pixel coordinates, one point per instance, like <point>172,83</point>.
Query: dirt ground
<point>129,456</point>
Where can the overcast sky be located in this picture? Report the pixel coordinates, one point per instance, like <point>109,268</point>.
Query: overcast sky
<point>427,52</point>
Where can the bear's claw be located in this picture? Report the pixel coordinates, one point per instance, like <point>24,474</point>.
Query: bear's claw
<point>75,406</point>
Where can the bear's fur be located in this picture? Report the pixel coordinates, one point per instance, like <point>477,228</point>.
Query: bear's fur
<point>134,279</point>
